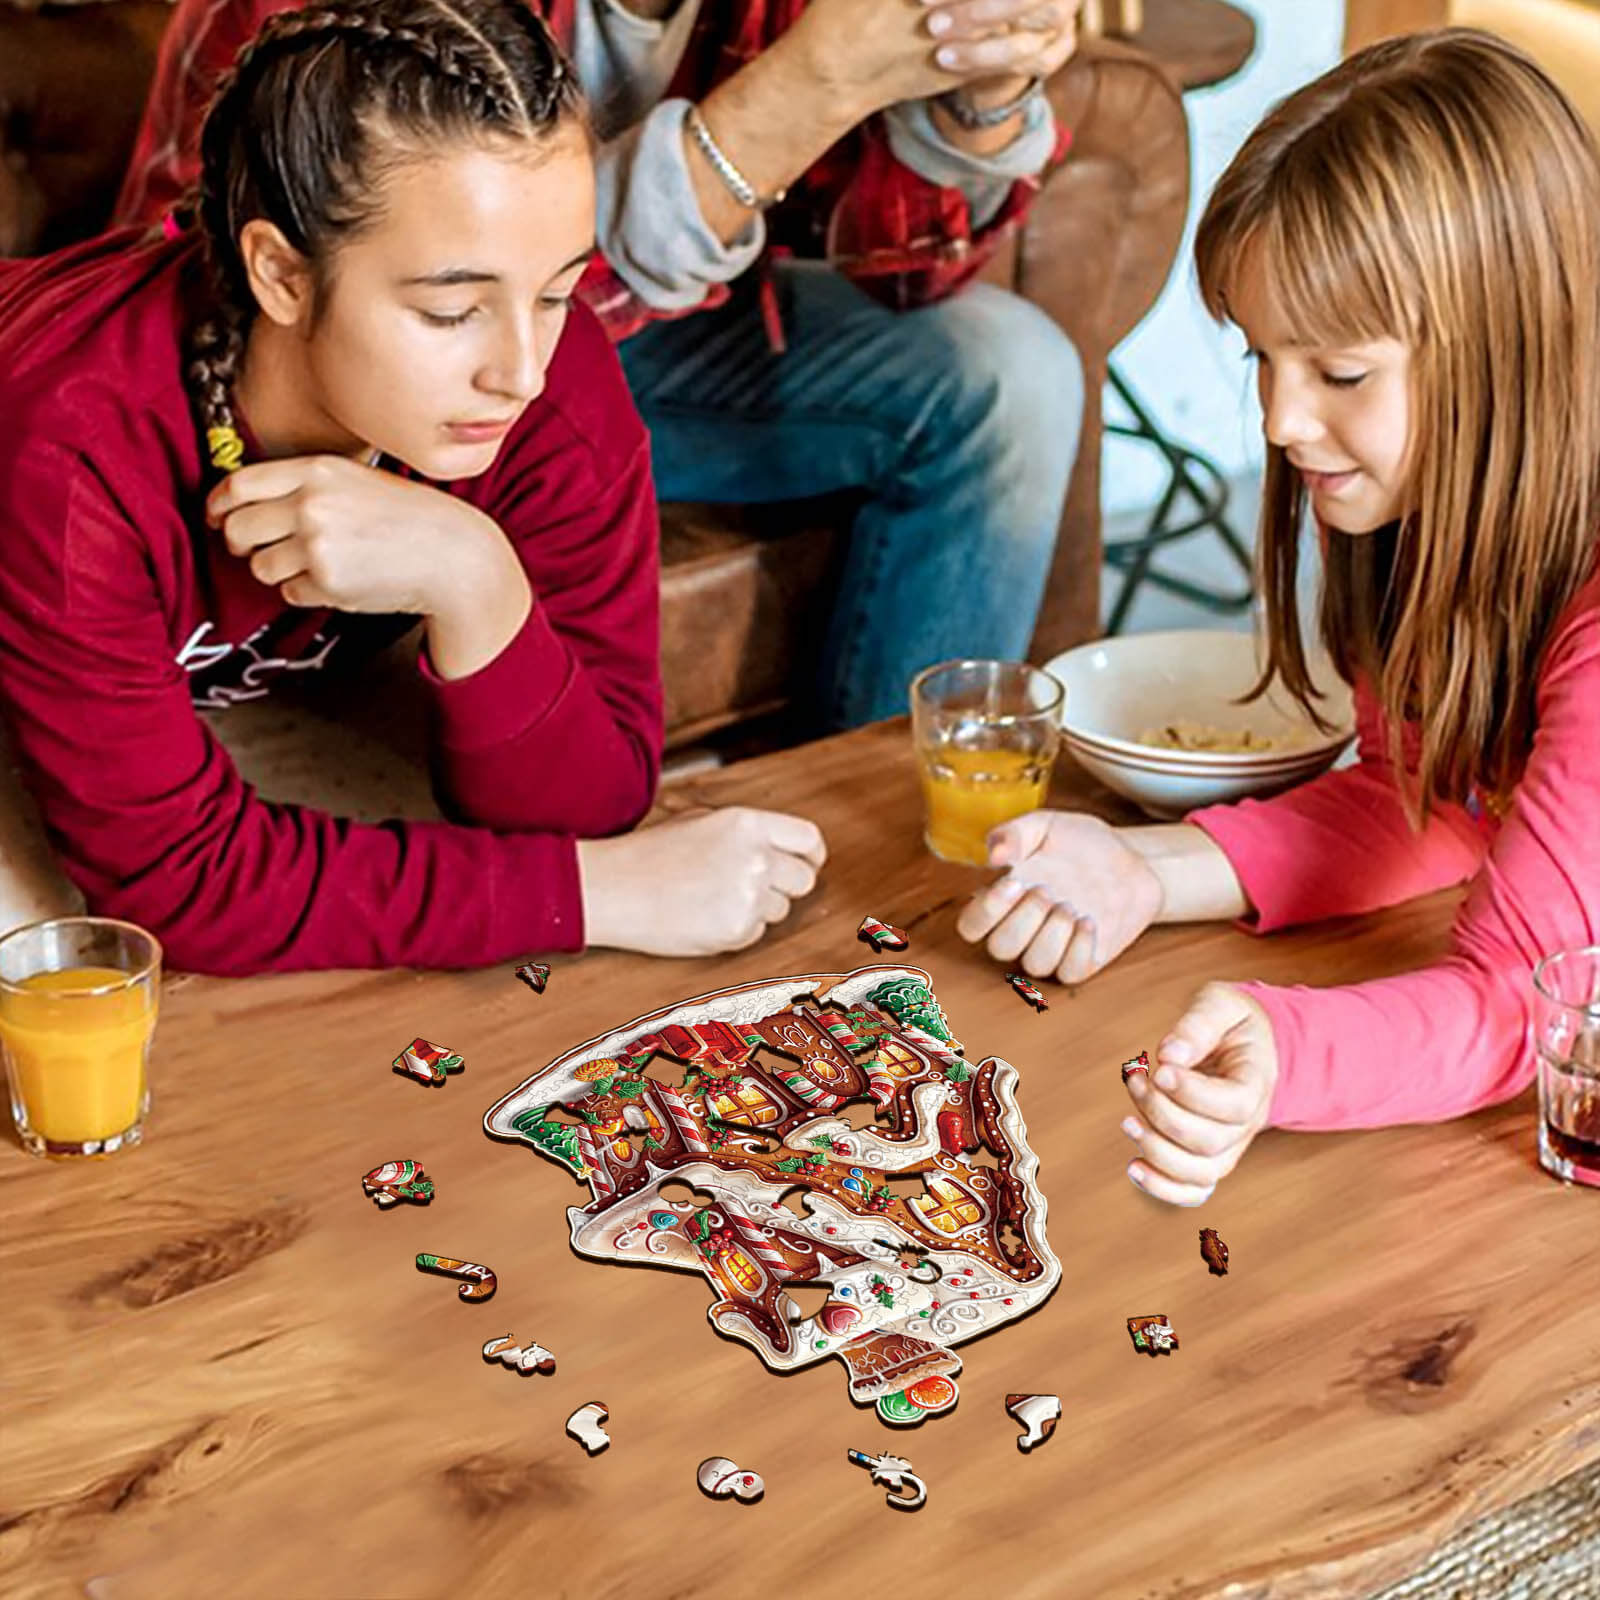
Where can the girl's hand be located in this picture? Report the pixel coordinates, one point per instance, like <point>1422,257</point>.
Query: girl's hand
<point>1213,1084</point>
<point>1073,899</point>
<point>327,531</point>
<point>697,885</point>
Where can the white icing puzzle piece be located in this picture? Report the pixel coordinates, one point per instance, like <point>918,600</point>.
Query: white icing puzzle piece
<point>1038,1413</point>
<point>524,1358</point>
<point>585,1426</point>
<point>721,1479</point>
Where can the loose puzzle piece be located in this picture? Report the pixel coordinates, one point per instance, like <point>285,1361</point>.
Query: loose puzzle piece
<point>1028,991</point>
<point>535,975</point>
<point>881,935</point>
<point>926,1228</point>
<point>1140,1063</point>
<point>1038,1413</point>
<point>906,1490</point>
<point>525,1358</point>
<point>585,1426</point>
<point>395,1181</point>
<point>480,1280</point>
<point>721,1480</point>
<point>1153,1335</point>
<point>1213,1251</point>
<point>425,1062</point>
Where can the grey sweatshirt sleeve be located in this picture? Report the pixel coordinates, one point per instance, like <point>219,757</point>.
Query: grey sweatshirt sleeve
<point>648,219</point>
<point>916,142</point>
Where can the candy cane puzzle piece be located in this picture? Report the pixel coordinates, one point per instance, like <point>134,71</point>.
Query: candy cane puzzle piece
<point>881,935</point>
<point>481,1282</point>
<point>1028,991</point>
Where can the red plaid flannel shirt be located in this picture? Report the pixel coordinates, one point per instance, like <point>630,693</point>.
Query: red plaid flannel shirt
<point>902,239</point>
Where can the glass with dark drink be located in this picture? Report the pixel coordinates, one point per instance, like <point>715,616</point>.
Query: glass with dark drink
<point>1566,1021</point>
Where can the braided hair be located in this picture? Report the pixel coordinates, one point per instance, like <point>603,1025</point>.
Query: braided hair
<point>294,135</point>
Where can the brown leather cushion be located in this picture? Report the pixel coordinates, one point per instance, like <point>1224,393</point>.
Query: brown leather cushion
<point>745,597</point>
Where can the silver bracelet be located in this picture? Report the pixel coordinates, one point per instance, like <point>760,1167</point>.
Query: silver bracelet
<point>738,185</point>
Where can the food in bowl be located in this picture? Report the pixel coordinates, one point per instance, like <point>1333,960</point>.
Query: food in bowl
<point>1193,681</point>
<point>1188,735</point>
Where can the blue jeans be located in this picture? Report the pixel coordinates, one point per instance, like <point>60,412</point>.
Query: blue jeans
<point>959,421</point>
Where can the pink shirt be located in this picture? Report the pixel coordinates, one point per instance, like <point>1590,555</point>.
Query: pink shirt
<point>1455,1036</point>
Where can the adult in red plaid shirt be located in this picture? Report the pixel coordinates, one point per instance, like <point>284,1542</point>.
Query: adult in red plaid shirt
<point>791,193</point>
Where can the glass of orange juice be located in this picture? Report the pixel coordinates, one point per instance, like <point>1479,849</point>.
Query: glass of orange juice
<point>987,733</point>
<point>78,1001</point>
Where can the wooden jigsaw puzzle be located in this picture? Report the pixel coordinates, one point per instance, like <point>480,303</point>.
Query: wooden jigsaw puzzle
<point>925,1226</point>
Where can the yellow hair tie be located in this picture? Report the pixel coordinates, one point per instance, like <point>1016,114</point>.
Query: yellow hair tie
<point>226,447</point>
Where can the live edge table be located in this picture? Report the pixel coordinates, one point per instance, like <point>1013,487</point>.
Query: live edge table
<point>224,1376</point>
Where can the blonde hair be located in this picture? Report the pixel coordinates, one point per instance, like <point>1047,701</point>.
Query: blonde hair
<point>1441,191</point>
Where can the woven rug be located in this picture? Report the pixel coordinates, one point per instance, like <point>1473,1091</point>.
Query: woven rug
<point>1546,1547</point>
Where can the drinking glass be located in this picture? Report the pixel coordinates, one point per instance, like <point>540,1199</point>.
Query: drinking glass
<point>1566,1021</point>
<point>986,734</point>
<point>78,1002</point>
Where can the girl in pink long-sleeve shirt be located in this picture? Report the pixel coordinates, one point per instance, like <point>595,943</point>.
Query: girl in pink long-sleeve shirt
<point>1411,247</point>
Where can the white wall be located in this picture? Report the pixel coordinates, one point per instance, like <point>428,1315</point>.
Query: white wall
<point>1191,374</point>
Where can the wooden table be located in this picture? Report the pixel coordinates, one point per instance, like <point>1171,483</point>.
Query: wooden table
<point>222,1373</point>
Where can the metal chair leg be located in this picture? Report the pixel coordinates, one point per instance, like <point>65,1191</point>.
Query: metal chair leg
<point>1188,472</point>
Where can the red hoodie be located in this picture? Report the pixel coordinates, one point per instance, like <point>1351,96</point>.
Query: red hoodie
<point>120,610</point>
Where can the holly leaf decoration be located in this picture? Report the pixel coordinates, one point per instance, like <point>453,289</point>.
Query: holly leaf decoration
<point>629,1088</point>
<point>958,1072</point>
<point>790,1164</point>
<point>700,1225</point>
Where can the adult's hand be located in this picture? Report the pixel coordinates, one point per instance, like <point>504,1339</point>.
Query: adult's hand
<point>868,54</point>
<point>997,46</point>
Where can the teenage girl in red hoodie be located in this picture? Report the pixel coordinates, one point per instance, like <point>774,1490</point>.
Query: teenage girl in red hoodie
<point>355,394</point>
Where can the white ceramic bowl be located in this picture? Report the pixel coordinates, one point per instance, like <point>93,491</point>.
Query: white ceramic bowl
<point>1117,688</point>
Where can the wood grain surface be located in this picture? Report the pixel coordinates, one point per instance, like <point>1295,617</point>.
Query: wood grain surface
<point>222,1374</point>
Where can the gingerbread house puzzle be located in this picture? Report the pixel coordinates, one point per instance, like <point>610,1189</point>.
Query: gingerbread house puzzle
<point>926,1228</point>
